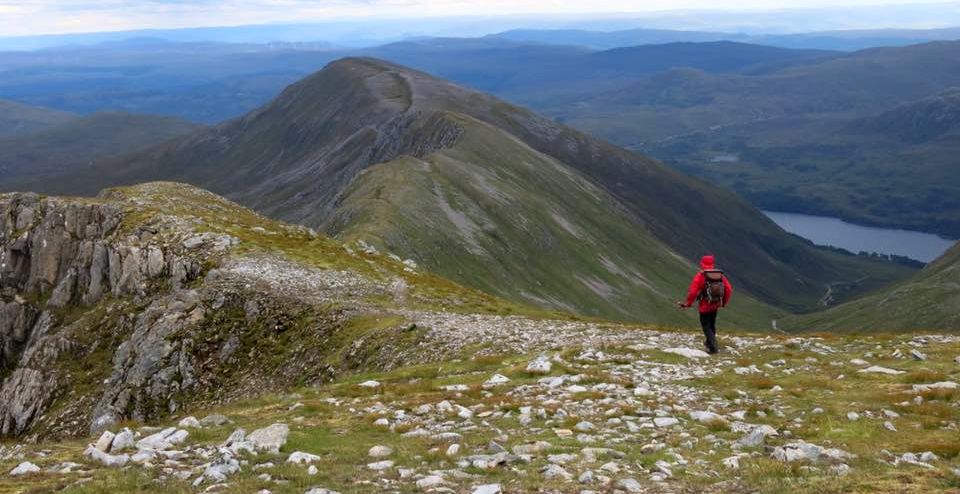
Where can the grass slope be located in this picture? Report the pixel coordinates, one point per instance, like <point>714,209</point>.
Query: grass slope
<point>495,214</point>
<point>931,299</point>
<point>82,142</point>
<point>17,118</point>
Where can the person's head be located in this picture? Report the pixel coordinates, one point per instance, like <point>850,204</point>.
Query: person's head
<point>707,262</point>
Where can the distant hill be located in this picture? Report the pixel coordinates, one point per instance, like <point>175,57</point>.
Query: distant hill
<point>840,128</point>
<point>849,40</point>
<point>81,142</point>
<point>17,118</point>
<point>516,204</point>
<point>927,301</point>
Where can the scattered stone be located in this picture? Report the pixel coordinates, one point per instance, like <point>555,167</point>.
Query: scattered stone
<point>125,439</point>
<point>921,388</point>
<point>876,369</point>
<point>105,441</point>
<point>190,422</point>
<point>24,468</point>
<point>688,353</point>
<point>269,439</point>
<point>542,365</point>
<point>757,436</point>
<point>369,384</point>
<point>551,472</point>
<point>917,355</point>
<point>105,458</point>
<point>380,466</point>
<point>488,489</point>
<point>430,482</point>
<point>380,451</point>
<point>853,416</point>
<point>299,458</point>
<point>804,451</point>
<point>496,380</point>
<point>630,485</point>
<point>214,421</point>
<point>665,421</point>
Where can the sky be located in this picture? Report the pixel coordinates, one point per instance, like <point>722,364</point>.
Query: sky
<point>29,17</point>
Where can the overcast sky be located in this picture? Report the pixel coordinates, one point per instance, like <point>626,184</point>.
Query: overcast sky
<point>25,17</point>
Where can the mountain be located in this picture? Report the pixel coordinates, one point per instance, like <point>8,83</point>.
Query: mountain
<point>81,142</point>
<point>516,204</point>
<point>818,123</point>
<point>531,73</point>
<point>927,301</point>
<point>848,40</point>
<point>17,118</point>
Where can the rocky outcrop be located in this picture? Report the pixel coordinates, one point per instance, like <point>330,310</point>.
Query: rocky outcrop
<point>59,258</point>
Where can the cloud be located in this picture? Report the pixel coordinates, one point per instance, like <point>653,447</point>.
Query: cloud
<point>24,17</point>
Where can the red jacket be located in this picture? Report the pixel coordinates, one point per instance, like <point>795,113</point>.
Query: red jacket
<point>696,286</point>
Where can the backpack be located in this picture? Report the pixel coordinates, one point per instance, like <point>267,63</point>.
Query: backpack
<point>713,288</point>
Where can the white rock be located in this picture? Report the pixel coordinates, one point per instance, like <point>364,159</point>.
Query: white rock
<point>876,369</point>
<point>312,470</point>
<point>269,439</point>
<point>733,462</point>
<point>124,439</point>
<point>706,417</point>
<point>665,421</point>
<point>430,482</point>
<point>630,485</point>
<point>853,416</point>
<point>105,441</point>
<point>488,489</point>
<point>496,380</point>
<point>453,450</point>
<point>106,459</point>
<point>540,365</point>
<point>190,422</point>
<point>380,451</point>
<point>919,388</point>
<point>24,468</point>
<point>917,355</point>
<point>889,426</point>
<point>369,384</point>
<point>556,472</point>
<point>757,436</point>
<point>380,466</point>
<point>688,352</point>
<point>859,362</point>
<point>299,458</point>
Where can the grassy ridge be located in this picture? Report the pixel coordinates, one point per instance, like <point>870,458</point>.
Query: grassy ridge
<point>532,229</point>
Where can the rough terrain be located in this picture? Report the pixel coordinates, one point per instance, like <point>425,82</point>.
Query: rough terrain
<point>161,339</point>
<point>512,404</point>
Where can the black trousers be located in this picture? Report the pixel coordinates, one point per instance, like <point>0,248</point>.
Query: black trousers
<point>708,321</point>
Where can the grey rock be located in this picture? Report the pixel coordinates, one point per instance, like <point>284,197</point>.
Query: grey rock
<point>24,468</point>
<point>270,439</point>
<point>630,485</point>
<point>214,421</point>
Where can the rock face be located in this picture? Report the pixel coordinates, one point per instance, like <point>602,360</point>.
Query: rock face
<point>129,305</point>
<point>57,255</point>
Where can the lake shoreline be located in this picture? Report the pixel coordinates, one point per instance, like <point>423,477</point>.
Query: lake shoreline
<point>839,233</point>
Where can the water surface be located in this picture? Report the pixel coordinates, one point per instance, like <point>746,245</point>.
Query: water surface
<point>834,232</point>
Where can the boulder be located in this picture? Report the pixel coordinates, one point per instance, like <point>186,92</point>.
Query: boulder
<point>269,439</point>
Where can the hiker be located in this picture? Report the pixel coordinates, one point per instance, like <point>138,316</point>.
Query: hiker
<point>712,289</point>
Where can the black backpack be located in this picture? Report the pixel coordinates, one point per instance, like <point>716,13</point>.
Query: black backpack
<point>713,288</point>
